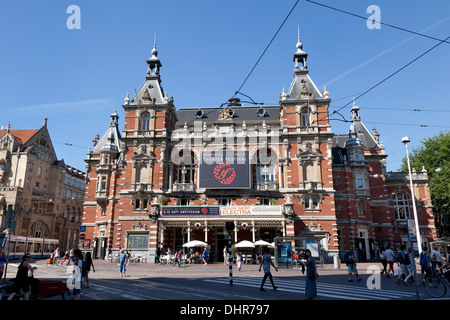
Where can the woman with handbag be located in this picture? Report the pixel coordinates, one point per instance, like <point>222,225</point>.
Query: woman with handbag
<point>311,276</point>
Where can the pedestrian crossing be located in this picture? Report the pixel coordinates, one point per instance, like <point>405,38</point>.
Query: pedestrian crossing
<point>324,290</point>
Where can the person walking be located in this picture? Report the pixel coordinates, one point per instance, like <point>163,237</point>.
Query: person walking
<point>78,267</point>
<point>89,265</point>
<point>266,262</point>
<point>383,260</point>
<point>296,258</point>
<point>311,276</point>
<point>177,258</point>
<point>123,260</point>
<point>351,265</point>
<point>239,260</point>
<point>71,256</point>
<point>225,256</point>
<point>168,256</point>
<point>403,258</point>
<point>301,256</point>
<point>409,266</point>
<point>66,258</point>
<point>205,257</point>
<point>389,259</point>
<point>158,256</point>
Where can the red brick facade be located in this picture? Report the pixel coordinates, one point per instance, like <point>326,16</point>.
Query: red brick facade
<point>304,179</point>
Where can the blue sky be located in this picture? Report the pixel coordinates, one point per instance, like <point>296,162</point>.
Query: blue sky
<point>75,78</point>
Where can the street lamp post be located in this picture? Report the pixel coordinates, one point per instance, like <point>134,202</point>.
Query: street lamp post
<point>405,141</point>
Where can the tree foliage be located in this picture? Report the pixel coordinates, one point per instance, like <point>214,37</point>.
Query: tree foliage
<point>434,154</point>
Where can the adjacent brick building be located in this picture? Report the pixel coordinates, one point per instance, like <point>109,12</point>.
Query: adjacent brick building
<point>165,178</point>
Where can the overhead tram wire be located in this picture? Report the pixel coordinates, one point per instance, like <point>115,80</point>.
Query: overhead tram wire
<point>257,62</point>
<point>267,47</point>
<point>388,77</point>
<point>383,23</point>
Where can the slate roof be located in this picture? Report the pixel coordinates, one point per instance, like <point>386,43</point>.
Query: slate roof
<point>249,114</point>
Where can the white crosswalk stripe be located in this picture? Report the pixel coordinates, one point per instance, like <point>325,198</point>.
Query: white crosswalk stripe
<point>327,290</point>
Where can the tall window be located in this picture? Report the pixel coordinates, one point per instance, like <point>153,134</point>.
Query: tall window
<point>401,207</point>
<point>146,122</point>
<point>265,169</point>
<point>186,169</point>
<point>305,119</point>
<point>101,183</point>
<point>311,203</point>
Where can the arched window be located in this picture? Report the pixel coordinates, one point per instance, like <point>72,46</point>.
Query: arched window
<point>401,207</point>
<point>305,117</point>
<point>145,122</point>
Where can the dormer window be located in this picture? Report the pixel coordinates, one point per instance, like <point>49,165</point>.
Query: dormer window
<point>145,122</point>
<point>199,114</point>
<point>305,117</point>
<point>356,155</point>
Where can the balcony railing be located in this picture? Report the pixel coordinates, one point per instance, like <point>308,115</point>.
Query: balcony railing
<point>184,187</point>
<point>142,187</point>
<point>267,186</point>
<point>310,185</point>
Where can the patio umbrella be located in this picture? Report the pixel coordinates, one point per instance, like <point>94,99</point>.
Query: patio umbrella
<point>244,244</point>
<point>261,243</point>
<point>195,243</point>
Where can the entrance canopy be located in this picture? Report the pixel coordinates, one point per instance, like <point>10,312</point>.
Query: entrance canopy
<point>195,243</point>
<point>244,244</point>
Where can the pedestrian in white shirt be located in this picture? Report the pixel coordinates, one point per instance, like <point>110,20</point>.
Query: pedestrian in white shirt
<point>390,259</point>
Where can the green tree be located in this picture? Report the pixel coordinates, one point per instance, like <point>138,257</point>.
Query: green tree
<point>434,156</point>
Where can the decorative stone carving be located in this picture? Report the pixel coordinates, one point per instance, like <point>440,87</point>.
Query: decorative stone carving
<point>314,227</point>
<point>283,95</point>
<point>139,227</point>
<point>325,93</point>
<point>225,114</point>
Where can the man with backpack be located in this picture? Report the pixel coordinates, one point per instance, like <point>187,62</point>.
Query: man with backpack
<point>351,265</point>
<point>403,258</point>
<point>425,263</point>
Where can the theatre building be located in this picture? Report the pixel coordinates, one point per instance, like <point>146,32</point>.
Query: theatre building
<point>278,172</point>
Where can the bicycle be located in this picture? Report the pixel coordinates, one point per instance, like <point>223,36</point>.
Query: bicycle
<point>436,284</point>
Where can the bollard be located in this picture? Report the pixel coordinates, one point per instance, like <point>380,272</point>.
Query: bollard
<point>337,262</point>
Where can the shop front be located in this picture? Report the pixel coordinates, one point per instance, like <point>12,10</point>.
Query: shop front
<point>180,224</point>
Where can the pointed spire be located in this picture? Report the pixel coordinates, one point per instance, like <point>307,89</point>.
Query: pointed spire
<point>114,118</point>
<point>355,111</point>
<point>153,63</point>
<point>300,56</point>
